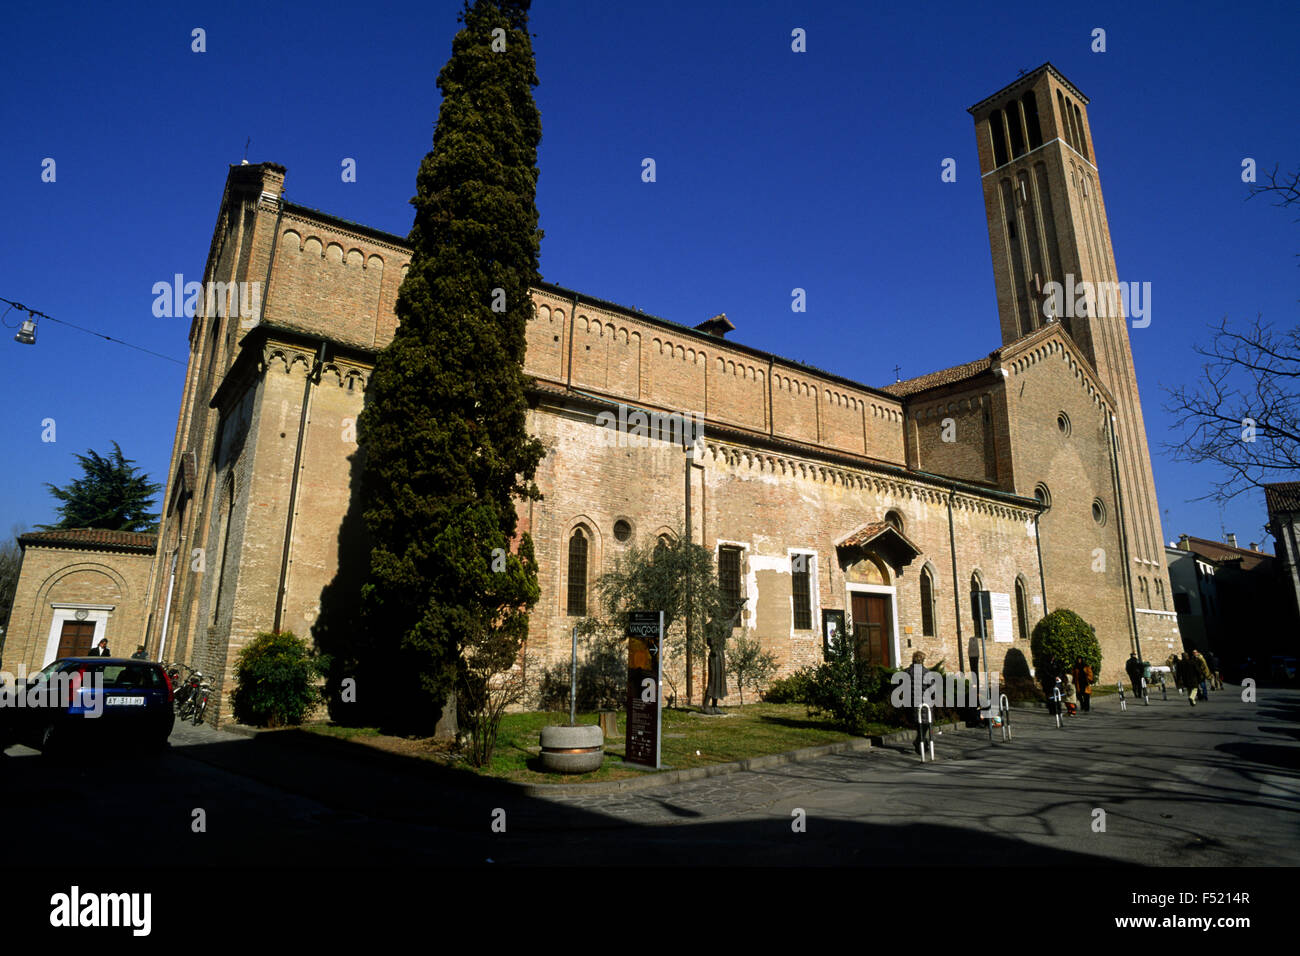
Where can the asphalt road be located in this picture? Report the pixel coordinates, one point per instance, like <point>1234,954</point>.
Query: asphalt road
<point>1218,784</point>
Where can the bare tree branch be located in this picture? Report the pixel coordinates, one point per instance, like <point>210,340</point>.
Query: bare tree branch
<point>1243,414</point>
<point>1285,192</point>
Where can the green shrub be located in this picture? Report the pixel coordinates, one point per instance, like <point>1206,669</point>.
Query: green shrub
<point>750,665</point>
<point>790,690</point>
<point>1063,636</point>
<point>1021,689</point>
<point>848,690</point>
<point>602,681</point>
<point>275,681</point>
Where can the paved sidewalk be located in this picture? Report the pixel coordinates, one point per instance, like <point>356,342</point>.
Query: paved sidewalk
<point>1181,785</point>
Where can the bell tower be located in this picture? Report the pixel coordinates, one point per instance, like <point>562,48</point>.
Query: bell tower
<point>1052,261</point>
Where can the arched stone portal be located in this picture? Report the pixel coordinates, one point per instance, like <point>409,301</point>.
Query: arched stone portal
<point>872,558</point>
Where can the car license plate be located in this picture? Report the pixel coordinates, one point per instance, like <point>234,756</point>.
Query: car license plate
<point>125,701</point>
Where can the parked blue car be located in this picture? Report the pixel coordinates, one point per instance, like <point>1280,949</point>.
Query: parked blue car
<point>89,702</point>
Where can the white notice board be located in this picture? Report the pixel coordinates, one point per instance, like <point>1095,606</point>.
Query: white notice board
<point>1001,607</point>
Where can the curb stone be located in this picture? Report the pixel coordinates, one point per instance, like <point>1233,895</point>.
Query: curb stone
<point>669,777</point>
<point>908,736</point>
<point>721,769</point>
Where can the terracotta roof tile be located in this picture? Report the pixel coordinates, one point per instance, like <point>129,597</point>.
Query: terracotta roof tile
<point>1282,496</point>
<point>1221,551</point>
<point>92,538</point>
<point>863,534</point>
<point>945,376</point>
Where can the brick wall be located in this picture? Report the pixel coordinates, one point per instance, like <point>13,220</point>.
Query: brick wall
<point>57,575</point>
<point>770,504</point>
<point>334,280</point>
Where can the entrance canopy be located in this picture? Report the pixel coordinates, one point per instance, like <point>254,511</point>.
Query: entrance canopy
<point>877,538</point>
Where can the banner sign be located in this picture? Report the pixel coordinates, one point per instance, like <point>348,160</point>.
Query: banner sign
<point>645,634</point>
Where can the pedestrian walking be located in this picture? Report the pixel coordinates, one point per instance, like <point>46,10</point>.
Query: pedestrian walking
<point>1071,699</point>
<point>915,698</point>
<point>1049,674</point>
<point>1133,667</point>
<point>1202,673</point>
<point>1188,677</point>
<point>1216,675</point>
<point>1083,683</point>
<point>1172,664</point>
<point>101,650</point>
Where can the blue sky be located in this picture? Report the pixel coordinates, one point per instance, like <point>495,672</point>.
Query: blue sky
<point>775,170</point>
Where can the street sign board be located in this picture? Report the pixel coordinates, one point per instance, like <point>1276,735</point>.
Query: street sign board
<point>645,633</point>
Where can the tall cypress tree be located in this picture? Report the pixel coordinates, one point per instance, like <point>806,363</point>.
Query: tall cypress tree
<point>447,453</point>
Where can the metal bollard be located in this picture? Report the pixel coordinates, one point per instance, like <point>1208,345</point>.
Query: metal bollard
<point>1059,703</point>
<point>1164,691</point>
<point>1123,704</point>
<point>1004,707</point>
<point>925,726</point>
<point>1146,696</point>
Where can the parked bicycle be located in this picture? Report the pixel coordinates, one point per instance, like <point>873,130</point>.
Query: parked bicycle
<point>197,703</point>
<point>186,689</point>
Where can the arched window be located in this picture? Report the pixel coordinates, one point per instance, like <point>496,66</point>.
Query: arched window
<point>894,520</point>
<point>997,134</point>
<point>1078,131</point>
<point>1022,610</point>
<point>1043,495</point>
<point>927,603</point>
<point>1064,113</point>
<point>1013,128</point>
<point>578,573</point>
<point>1032,129</point>
<point>663,543</point>
<point>227,519</point>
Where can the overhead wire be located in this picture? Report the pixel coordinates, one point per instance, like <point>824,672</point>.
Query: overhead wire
<point>35,313</point>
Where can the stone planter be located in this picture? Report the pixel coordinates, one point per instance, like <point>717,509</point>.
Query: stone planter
<point>578,749</point>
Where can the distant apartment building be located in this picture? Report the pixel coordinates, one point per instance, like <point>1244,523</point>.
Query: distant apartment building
<point>1231,600</point>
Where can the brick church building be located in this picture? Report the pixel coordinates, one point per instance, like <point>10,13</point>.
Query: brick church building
<point>1024,472</point>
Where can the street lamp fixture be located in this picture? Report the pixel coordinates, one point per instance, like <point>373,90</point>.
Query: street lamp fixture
<point>27,333</point>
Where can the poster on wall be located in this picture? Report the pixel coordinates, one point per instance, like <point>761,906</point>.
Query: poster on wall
<point>1000,605</point>
<point>832,629</point>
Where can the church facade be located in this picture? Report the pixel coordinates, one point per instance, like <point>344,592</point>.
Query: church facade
<point>1024,472</point>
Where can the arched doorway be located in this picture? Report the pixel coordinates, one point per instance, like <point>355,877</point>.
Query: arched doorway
<point>871,598</point>
<point>870,557</point>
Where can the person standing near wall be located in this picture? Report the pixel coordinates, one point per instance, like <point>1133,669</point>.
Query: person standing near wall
<point>1083,682</point>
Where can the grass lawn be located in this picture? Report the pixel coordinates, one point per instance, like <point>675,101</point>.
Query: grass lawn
<point>750,731</point>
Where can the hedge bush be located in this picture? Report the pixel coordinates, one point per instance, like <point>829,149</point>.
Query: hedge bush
<point>1021,689</point>
<point>854,693</point>
<point>794,689</point>
<point>602,681</point>
<point>276,679</point>
<point>1064,636</point>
